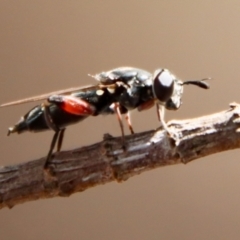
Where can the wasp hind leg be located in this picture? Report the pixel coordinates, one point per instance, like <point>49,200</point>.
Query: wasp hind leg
<point>60,139</point>
<point>69,104</point>
<point>52,146</point>
<point>58,135</point>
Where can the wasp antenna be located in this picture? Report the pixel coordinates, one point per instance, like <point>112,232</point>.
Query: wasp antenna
<point>200,83</point>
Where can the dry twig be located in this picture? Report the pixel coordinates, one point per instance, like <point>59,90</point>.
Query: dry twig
<point>76,170</point>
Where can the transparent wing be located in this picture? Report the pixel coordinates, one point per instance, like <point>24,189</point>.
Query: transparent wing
<point>45,96</point>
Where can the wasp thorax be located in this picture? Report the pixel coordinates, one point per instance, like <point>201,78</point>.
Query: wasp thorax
<point>163,85</point>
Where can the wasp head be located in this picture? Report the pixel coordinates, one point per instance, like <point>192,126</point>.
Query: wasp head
<point>168,90</point>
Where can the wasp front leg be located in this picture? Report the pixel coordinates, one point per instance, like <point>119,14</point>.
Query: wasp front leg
<point>160,114</point>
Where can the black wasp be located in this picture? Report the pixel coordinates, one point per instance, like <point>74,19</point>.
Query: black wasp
<point>118,91</point>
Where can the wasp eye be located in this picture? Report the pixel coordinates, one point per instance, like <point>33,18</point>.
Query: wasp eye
<point>163,85</point>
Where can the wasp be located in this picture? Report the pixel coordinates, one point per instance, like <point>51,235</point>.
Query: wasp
<point>118,91</point>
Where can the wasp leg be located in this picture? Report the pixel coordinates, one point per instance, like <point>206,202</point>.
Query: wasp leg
<point>119,117</point>
<point>52,126</point>
<point>128,119</point>
<point>58,135</point>
<point>53,143</point>
<point>60,139</point>
<point>160,114</point>
<point>68,104</point>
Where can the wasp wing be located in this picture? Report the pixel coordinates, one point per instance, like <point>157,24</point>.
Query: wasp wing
<point>47,95</point>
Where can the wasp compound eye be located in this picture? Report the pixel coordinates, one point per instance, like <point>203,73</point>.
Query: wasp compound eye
<point>163,85</point>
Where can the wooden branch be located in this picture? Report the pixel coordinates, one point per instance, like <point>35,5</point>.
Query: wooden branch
<point>76,170</point>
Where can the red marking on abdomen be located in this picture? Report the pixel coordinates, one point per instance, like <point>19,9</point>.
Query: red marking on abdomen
<point>77,106</point>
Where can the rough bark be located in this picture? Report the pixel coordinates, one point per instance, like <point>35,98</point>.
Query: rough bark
<point>76,170</point>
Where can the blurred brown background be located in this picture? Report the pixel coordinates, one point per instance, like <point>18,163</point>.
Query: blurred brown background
<point>51,45</point>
